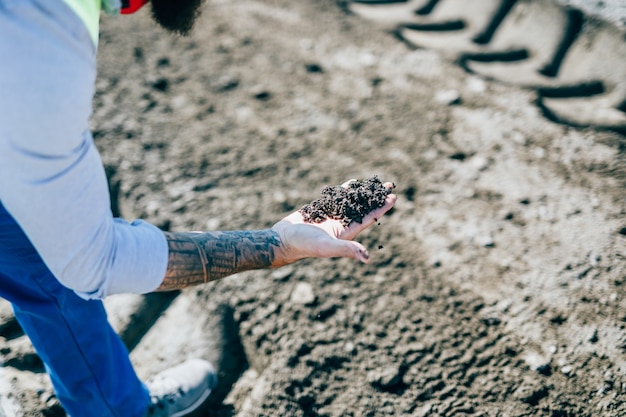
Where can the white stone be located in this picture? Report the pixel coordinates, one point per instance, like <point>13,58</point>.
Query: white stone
<point>447,97</point>
<point>302,293</point>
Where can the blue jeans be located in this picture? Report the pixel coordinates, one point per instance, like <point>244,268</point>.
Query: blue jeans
<point>86,360</point>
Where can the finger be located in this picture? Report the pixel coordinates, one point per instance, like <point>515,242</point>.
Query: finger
<point>359,252</point>
<point>344,249</point>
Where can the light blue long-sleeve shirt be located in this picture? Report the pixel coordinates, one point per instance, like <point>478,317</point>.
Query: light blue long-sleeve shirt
<point>51,177</point>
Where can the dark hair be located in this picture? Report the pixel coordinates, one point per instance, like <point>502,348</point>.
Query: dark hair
<point>177,16</point>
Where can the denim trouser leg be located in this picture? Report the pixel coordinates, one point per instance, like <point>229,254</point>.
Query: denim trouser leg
<point>86,360</point>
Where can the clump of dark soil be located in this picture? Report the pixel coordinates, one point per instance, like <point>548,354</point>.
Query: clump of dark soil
<point>349,203</point>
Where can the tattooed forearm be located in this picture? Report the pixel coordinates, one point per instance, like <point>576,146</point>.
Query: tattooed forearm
<point>200,257</point>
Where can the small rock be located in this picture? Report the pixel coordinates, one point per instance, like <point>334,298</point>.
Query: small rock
<point>213,223</point>
<point>385,379</point>
<point>566,370</point>
<point>448,97</point>
<point>479,163</point>
<point>178,102</point>
<point>243,113</point>
<point>537,362</point>
<point>303,294</point>
<point>379,279</point>
<point>486,241</point>
<point>282,274</point>
<point>475,85</point>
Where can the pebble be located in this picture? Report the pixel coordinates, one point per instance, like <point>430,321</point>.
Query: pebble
<point>302,294</point>
<point>385,378</point>
<point>486,241</point>
<point>566,370</point>
<point>282,274</point>
<point>479,163</point>
<point>448,97</point>
<point>243,113</point>
<point>536,362</point>
<point>476,85</point>
<point>213,223</point>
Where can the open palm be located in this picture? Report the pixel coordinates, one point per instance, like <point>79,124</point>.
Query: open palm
<point>327,239</point>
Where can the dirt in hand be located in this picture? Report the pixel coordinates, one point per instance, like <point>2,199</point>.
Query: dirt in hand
<point>350,203</point>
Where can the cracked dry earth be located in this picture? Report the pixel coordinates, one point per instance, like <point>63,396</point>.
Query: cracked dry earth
<point>497,285</point>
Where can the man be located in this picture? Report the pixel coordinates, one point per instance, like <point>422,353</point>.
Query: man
<point>61,251</point>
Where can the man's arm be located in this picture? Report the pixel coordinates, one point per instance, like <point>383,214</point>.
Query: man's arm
<point>201,257</point>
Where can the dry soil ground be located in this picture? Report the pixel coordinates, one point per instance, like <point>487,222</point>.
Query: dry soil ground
<point>497,285</point>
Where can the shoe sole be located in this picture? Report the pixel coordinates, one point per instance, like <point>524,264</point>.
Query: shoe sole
<point>193,406</point>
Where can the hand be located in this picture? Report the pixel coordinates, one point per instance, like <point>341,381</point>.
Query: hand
<point>327,239</point>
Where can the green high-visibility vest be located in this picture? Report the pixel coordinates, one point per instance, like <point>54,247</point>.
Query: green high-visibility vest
<point>89,13</point>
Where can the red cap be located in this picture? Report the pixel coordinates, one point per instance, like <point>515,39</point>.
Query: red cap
<point>131,6</point>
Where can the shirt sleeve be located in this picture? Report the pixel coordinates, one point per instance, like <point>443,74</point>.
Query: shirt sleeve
<point>51,176</point>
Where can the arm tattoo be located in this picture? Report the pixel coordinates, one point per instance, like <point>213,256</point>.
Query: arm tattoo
<point>201,257</point>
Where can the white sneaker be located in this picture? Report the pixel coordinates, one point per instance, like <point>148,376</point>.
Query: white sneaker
<point>180,390</point>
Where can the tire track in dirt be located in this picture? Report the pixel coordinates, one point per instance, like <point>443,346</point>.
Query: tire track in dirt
<point>575,63</point>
